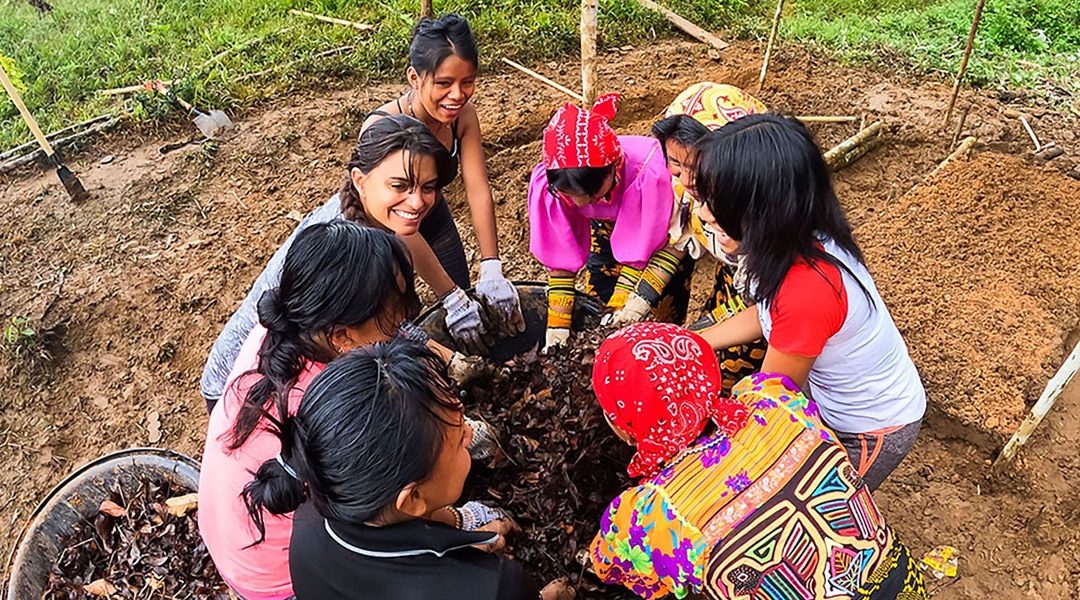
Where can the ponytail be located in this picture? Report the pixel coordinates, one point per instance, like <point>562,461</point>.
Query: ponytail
<point>278,487</point>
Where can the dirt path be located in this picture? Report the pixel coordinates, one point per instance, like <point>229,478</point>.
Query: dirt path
<point>133,286</point>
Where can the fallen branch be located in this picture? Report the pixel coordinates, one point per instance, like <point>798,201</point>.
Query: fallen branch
<point>38,153</point>
<point>852,149</point>
<point>769,46</point>
<point>688,27</point>
<point>22,148</point>
<point>962,151</point>
<point>826,119</point>
<point>295,62</point>
<point>545,80</point>
<point>332,20</point>
<point>1050,394</point>
<point>131,89</point>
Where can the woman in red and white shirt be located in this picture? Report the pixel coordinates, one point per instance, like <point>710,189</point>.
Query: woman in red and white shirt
<point>763,181</point>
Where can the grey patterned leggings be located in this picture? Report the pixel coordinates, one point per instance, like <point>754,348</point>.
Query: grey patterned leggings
<point>875,454</point>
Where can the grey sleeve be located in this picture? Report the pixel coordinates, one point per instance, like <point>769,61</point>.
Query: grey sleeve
<point>227,346</point>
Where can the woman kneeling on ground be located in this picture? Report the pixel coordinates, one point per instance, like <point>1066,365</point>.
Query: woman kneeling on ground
<point>765,182</point>
<point>701,108</point>
<point>443,61</point>
<point>342,285</point>
<point>377,456</point>
<point>603,202</point>
<point>397,166</point>
<point>764,504</point>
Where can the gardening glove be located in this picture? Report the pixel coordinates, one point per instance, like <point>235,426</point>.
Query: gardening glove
<point>501,296</point>
<point>475,515</point>
<point>555,337</point>
<point>464,322</point>
<point>463,369</point>
<point>624,285</point>
<point>635,309</point>
<point>484,444</point>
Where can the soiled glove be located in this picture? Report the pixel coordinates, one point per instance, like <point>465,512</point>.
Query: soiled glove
<point>483,445</point>
<point>635,309</point>
<point>463,369</point>
<point>464,322</point>
<point>555,337</point>
<point>501,295</point>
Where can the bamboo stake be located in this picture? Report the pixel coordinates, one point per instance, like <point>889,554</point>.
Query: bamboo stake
<point>769,46</point>
<point>964,60</point>
<point>291,63</point>
<point>17,150</point>
<point>425,8</point>
<point>545,80</point>
<point>37,154</point>
<point>851,149</point>
<point>694,31</point>
<point>588,52</point>
<point>1050,394</point>
<point>962,151</point>
<point>826,119</point>
<point>332,20</point>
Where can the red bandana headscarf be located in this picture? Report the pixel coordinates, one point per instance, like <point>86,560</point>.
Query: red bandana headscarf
<point>660,383</point>
<point>576,137</point>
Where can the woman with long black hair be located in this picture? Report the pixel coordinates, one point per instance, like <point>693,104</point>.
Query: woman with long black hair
<point>764,182</point>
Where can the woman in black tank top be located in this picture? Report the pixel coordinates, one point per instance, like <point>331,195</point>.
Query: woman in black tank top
<point>443,61</point>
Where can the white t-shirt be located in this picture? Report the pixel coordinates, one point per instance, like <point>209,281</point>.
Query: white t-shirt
<point>863,378</point>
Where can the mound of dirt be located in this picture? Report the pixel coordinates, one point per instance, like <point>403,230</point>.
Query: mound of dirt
<point>980,267</point>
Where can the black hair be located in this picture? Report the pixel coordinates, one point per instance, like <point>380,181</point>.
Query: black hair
<point>681,129</point>
<point>435,39</point>
<point>371,423</point>
<point>390,134</point>
<point>582,181</point>
<point>335,274</point>
<point>767,184</point>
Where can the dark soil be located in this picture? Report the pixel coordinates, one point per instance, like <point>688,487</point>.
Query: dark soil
<point>136,548</point>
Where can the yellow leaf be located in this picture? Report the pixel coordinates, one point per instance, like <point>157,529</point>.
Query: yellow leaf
<point>181,505</point>
<point>100,587</point>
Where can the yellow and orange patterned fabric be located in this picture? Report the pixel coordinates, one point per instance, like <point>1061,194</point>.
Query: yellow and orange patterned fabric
<point>773,511</point>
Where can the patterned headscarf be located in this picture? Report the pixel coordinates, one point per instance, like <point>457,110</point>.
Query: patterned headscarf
<point>714,104</point>
<point>660,384</point>
<point>576,137</point>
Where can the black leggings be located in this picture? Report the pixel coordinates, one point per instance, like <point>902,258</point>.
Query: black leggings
<point>440,232</point>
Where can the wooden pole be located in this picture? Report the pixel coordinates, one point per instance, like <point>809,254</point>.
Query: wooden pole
<point>588,52</point>
<point>826,119</point>
<point>964,60</point>
<point>545,80</point>
<point>332,20</point>
<point>1050,394</point>
<point>769,46</point>
<point>425,8</point>
<point>694,31</point>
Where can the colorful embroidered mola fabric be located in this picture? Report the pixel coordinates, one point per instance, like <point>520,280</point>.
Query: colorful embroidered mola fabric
<point>775,511</point>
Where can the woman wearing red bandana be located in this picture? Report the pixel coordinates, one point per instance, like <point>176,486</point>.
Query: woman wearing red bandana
<point>603,202</point>
<point>747,497</point>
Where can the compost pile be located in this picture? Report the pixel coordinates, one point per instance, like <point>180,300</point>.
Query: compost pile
<point>139,545</point>
<point>563,463</point>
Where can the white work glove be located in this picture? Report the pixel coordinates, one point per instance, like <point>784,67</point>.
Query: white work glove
<point>635,309</point>
<point>555,337</point>
<point>464,322</point>
<point>475,515</point>
<point>484,444</point>
<point>501,296</point>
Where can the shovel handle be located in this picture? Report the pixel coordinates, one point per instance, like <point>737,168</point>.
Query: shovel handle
<point>27,117</point>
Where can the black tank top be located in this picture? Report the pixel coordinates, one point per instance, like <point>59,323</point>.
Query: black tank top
<point>454,158</point>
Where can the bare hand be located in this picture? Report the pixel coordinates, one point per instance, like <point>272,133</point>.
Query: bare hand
<point>558,590</point>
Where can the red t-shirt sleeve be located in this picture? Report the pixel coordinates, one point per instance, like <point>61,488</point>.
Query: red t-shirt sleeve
<point>809,308</point>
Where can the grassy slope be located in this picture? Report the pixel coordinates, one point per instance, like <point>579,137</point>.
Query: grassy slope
<point>63,57</point>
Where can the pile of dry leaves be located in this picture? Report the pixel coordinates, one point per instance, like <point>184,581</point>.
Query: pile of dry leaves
<point>563,464</point>
<point>141,545</point>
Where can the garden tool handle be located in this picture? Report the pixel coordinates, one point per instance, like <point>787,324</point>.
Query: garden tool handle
<point>27,117</point>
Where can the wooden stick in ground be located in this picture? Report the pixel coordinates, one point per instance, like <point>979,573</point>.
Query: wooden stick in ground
<point>960,126</point>
<point>769,46</point>
<point>1050,394</point>
<point>962,151</point>
<point>588,52</point>
<point>826,119</point>
<point>545,80</point>
<point>425,8</point>
<point>694,31</point>
<point>964,60</point>
<point>333,20</point>
<point>851,149</point>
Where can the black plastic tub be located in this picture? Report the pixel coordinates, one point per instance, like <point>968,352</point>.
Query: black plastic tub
<point>78,497</point>
<point>534,305</point>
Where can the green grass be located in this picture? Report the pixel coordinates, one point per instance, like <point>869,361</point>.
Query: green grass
<point>62,58</point>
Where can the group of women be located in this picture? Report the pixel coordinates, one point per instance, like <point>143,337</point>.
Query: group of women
<point>337,448</point>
